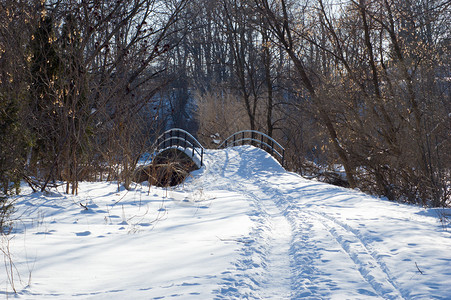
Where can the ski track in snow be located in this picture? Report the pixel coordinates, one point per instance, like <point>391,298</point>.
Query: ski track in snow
<point>283,273</point>
<point>265,254</point>
<point>374,271</point>
<point>272,267</point>
<point>275,232</point>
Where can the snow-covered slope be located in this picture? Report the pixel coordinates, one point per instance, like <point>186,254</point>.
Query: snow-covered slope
<point>240,227</point>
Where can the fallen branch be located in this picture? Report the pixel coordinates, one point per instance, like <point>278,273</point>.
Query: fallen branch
<point>234,240</point>
<point>421,272</point>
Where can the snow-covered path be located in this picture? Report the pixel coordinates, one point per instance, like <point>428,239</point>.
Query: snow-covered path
<point>270,239</point>
<point>281,260</point>
<point>239,228</point>
<point>320,241</point>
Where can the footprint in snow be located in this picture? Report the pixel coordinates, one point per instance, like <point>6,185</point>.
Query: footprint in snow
<point>84,233</point>
<point>45,232</point>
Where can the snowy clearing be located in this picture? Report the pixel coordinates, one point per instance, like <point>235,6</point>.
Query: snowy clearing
<point>240,227</point>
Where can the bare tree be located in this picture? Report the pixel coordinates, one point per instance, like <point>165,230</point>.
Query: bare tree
<point>279,20</point>
<point>363,65</point>
<point>95,66</point>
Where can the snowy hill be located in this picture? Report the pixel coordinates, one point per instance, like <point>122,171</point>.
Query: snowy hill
<point>240,227</point>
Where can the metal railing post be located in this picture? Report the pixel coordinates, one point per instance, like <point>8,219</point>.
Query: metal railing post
<point>201,156</point>
<point>283,158</point>
<point>165,140</point>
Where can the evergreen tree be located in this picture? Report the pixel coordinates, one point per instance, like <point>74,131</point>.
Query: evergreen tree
<point>12,153</point>
<point>45,98</point>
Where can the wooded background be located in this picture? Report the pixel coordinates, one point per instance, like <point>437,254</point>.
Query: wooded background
<point>363,86</point>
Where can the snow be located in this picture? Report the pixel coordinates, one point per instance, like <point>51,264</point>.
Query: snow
<point>240,227</point>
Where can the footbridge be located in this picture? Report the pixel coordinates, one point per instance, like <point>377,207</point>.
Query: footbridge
<point>176,152</point>
<point>181,140</point>
<point>258,139</point>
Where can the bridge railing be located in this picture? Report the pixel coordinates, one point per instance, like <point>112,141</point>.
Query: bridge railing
<point>179,138</point>
<point>258,138</point>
